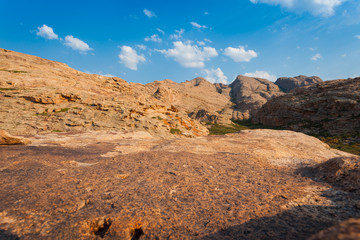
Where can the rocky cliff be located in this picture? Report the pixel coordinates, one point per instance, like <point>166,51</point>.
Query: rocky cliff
<point>331,107</point>
<point>286,84</point>
<point>249,94</point>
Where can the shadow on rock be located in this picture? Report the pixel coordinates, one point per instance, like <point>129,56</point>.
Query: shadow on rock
<point>298,223</point>
<point>8,235</point>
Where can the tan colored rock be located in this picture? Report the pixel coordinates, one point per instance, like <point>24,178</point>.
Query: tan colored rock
<point>330,107</point>
<point>288,83</point>
<point>108,184</point>
<point>7,139</point>
<point>250,94</point>
<point>343,172</point>
<point>40,95</point>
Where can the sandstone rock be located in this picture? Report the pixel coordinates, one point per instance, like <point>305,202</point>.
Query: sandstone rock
<point>288,83</point>
<point>7,139</point>
<point>250,94</point>
<point>346,230</point>
<point>331,107</point>
<point>50,96</point>
<point>102,183</point>
<point>343,172</point>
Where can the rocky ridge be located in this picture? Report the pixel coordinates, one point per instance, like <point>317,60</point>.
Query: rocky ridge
<point>249,94</point>
<point>331,107</point>
<point>50,96</point>
<point>286,84</point>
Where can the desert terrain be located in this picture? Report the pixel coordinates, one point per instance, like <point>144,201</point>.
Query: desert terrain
<point>84,156</point>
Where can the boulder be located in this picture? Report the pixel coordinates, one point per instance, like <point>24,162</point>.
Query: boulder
<point>7,139</point>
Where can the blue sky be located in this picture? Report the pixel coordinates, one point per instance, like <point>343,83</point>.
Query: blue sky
<point>142,41</point>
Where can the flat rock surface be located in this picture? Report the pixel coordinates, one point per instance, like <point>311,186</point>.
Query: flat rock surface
<point>254,184</point>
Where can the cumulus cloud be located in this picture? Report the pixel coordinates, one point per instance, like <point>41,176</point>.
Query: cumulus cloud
<point>76,44</point>
<point>129,57</point>
<point>317,7</point>
<point>215,75</point>
<point>149,14</point>
<point>262,74</point>
<point>177,35</point>
<point>316,57</point>
<point>189,55</point>
<point>198,26</point>
<point>153,38</point>
<point>240,54</point>
<point>46,32</point>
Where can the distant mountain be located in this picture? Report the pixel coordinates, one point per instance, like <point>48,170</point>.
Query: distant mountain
<point>331,107</point>
<point>286,84</point>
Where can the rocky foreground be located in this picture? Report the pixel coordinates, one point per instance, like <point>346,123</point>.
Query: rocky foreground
<point>255,184</point>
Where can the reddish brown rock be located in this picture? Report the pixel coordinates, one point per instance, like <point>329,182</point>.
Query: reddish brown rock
<point>286,84</point>
<point>250,94</point>
<point>346,230</point>
<point>331,107</point>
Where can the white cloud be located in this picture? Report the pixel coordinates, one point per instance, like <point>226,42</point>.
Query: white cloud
<point>177,35</point>
<point>201,43</point>
<point>141,46</point>
<point>153,38</point>
<point>76,44</point>
<point>190,55</point>
<point>316,7</point>
<point>196,25</point>
<point>215,75</point>
<point>357,36</point>
<point>206,13</point>
<point>240,54</point>
<point>262,74</point>
<point>149,14</point>
<point>46,32</point>
<point>129,57</point>
<point>207,40</point>
<point>160,30</point>
<point>316,57</point>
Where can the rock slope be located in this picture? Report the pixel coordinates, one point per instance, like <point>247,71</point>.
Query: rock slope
<point>331,107</point>
<point>39,95</point>
<point>250,94</point>
<point>288,83</point>
<point>256,184</point>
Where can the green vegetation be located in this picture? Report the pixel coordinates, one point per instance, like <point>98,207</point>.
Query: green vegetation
<point>237,125</point>
<point>58,131</point>
<point>7,89</point>
<point>216,129</point>
<point>344,143</point>
<point>12,71</point>
<point>175,131</point>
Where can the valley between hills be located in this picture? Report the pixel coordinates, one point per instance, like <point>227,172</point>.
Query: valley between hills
<point>84,156</point>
